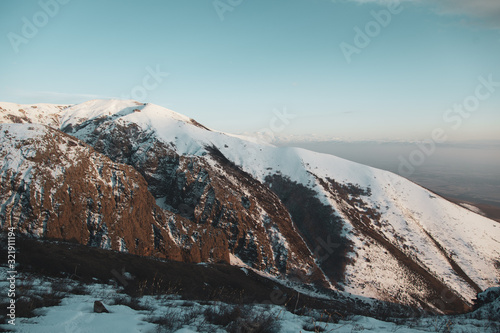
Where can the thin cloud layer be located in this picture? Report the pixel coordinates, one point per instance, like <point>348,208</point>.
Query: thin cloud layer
<point>478,12</point>
<point>484,12</point>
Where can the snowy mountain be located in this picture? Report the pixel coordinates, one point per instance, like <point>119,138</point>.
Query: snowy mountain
<point>286,212</point>
<point>55,186</point>
<point>47,114</point>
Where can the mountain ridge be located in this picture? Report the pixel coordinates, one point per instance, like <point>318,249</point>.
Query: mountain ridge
<point>400,233</point>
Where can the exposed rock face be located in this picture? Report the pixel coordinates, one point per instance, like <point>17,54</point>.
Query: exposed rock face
<point>214,195</point>
<point>55,186</point>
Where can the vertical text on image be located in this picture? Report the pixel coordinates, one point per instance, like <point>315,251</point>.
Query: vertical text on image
<point>11,275</point>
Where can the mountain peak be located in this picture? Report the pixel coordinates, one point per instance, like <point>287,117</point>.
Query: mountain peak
<point>115,108</point>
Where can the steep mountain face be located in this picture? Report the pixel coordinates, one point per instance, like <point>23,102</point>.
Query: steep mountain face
<point>55,186</point>
<point>289,212</point>
<point>206,188</point>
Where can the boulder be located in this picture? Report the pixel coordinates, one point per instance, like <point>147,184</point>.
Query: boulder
<point>99,307</point>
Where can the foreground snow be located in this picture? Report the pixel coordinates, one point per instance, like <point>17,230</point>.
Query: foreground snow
<point>168,313</point>
<point>75,314</point>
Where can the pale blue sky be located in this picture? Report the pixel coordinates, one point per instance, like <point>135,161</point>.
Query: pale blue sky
<point>264,55</point>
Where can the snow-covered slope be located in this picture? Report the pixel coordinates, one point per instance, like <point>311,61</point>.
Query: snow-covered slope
<point>385,236</point>
<point>453,243</point>
<point>188,175</point>
<point>184,133</point>
<point>47,114</point>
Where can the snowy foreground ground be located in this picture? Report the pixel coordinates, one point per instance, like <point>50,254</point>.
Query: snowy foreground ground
<point>168,313</point>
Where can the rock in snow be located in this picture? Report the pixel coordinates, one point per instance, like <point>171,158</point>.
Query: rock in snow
<point>99,307</point>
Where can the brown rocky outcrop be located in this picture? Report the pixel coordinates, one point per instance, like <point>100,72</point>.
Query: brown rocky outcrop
<point>55,186</point>
<point>214,196</point>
